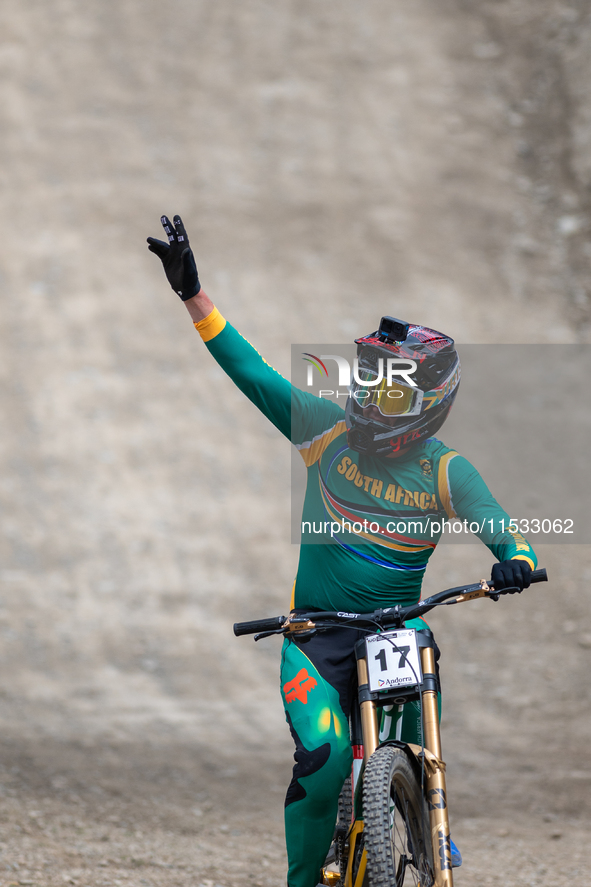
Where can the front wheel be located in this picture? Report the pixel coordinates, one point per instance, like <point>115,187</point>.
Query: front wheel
<point>397,833</point>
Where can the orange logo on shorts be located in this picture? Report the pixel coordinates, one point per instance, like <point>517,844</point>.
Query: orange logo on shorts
<point>299,687</point>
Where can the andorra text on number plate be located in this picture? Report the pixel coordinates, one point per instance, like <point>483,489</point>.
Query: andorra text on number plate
<point>393,660</point>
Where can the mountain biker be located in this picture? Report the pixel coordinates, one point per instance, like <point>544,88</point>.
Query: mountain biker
<point>374,461</point>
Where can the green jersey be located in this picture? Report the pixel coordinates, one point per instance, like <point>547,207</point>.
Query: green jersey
<point>369,524</point>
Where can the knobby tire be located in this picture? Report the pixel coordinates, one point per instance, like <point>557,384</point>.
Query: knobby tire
<point>397,833</point>
<point>343,827</point>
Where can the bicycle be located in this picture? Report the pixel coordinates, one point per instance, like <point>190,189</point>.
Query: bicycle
<point>393,816</point>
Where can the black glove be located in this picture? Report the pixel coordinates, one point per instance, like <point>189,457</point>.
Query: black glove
<point>177,258</point>
<point>509,577</point>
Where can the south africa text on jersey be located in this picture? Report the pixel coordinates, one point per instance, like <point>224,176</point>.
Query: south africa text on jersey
<point>390,493</point>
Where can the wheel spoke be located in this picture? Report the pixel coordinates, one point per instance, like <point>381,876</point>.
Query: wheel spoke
<point>402,844</point>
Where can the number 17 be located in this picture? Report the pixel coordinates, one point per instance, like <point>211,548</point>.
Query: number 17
<point>404,651</point>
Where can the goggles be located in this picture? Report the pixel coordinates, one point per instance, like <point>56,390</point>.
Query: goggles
<point>391,399</point>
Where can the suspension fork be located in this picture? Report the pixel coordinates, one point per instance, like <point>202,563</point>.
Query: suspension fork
<point>368,711</point>
<point>364,738</point>
<point>436,792</point>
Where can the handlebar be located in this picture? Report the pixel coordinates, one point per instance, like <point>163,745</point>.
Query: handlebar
<point>390,617</point>
<point>539,576</point>
<point>258,625</point>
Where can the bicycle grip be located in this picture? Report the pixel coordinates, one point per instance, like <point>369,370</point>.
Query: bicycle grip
<point>539,576</point>
<point>258,625</point>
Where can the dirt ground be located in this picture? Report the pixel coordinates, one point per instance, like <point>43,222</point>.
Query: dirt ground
<point>332,162</point>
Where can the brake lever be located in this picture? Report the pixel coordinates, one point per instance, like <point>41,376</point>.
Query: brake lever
<point>268,634</point>
<point>511,589</point>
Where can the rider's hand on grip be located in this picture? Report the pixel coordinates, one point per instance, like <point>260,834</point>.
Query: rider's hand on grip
<point>177,258</point>
<point>510,577</point>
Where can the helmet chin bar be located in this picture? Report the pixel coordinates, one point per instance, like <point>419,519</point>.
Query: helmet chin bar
<point>363,442</point>
<point>372,438</point>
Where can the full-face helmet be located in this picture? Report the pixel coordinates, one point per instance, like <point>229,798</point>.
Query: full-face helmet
<point>404,383</point>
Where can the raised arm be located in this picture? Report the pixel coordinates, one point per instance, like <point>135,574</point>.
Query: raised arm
<point>297,414</point>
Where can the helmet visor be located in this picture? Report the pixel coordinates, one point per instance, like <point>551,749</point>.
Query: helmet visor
<point>391,398</point>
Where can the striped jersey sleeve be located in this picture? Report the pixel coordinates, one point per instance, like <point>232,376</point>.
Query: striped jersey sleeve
<point>465,497</point>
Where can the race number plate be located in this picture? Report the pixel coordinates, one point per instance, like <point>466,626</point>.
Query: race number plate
<point>393,660</point>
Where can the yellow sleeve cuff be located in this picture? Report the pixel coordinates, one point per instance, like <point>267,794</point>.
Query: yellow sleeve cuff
<point>522,557</point>
<point>210,326</point>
